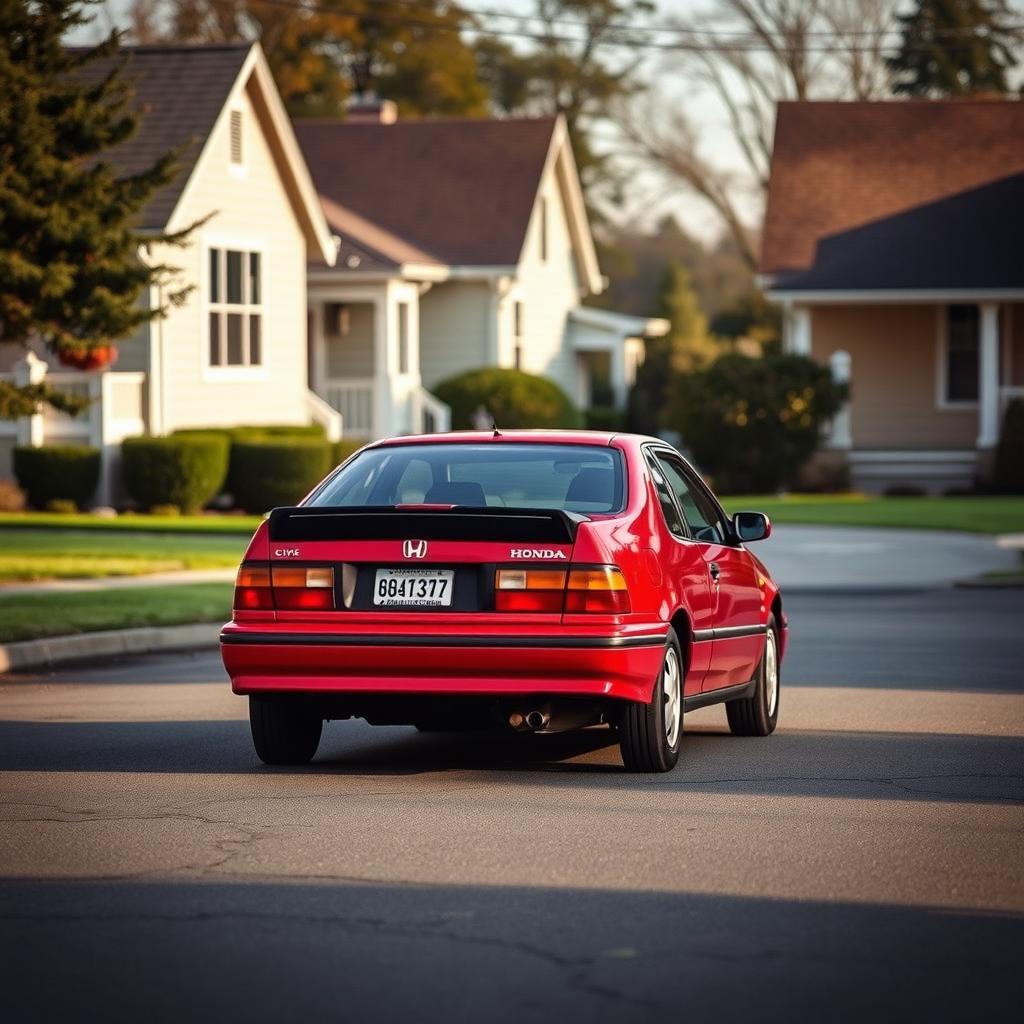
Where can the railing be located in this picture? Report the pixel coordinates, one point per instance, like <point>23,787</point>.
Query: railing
<point>354,400</point>
<point>430,414</point>
<point>329,418</point>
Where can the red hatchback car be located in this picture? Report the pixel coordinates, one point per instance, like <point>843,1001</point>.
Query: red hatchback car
<point>541,580</point>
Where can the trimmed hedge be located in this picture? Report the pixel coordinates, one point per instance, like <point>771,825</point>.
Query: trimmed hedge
<point>57,473</point>
<point>187,471</point>
<point>270,473</point>
<point>253,433</point>
<point>1008,472</point>
<point>341,450</point>
<point>513,398</point>
<point>603,417</point>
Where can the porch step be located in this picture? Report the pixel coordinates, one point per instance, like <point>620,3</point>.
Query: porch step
<point>932,471</point>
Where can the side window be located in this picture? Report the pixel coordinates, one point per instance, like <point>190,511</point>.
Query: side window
<point>665,499</point>
<point>700,513</point>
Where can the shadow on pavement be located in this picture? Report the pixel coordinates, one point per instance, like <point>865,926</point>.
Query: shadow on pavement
<point>84,950</point>
<point>917,766</point>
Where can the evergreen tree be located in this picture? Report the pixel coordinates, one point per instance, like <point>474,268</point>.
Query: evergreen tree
<point>955,48</point>
<point>69,264</point>
<point>686,347</point>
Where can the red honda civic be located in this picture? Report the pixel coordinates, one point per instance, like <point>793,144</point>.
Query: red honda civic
<point>540,581</point>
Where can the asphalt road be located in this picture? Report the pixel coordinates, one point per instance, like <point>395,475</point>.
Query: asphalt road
<point>862,863</point>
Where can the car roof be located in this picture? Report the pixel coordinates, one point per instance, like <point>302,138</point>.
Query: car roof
<point>599,437</point>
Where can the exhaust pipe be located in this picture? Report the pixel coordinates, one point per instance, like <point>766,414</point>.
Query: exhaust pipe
<point>531,721</point>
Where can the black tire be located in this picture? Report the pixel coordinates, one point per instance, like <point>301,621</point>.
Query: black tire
<point>753,716</point>
<point>284,730</point>
<point>643,738</point>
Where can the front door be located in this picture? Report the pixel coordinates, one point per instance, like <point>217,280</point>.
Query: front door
<point>736,595</point>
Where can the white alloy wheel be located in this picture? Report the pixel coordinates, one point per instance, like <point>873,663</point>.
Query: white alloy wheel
<point>672,695</point>
<point>771,674</point>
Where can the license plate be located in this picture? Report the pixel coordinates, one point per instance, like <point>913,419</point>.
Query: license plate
<point>413,588</point>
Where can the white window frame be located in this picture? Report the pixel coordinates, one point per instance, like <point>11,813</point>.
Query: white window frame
<point>234,371</point>
<point>942,364</point>
<point>518,331</point>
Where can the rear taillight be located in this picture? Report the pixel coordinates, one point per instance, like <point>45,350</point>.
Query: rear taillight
<point>288,588</point>
<point>302,589</point>
<point>600,588</point>
<point>252,589</point>
<point>529,590</point>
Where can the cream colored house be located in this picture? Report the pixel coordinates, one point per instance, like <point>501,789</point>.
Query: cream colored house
<point>893,240</point>
<point>463,244</point>
<point>235,352</point>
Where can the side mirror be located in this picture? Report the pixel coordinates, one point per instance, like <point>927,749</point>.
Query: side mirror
<point>751,526</point>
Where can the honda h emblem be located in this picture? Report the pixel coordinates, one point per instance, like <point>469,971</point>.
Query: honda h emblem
<point>414,548</point>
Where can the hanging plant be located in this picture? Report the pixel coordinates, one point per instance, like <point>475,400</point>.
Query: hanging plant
<point>83,357</point>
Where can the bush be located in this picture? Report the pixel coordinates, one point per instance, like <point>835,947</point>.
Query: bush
<point>1008,472</point>
<point>513,398</point>
<point>753,423</point>
<point>603,417</point>
<point>61,507</point>
<point>184,470</point>
<point>277,472</point>
<point>267,432</point>
<point>57,473</point>
<point>341,450</point>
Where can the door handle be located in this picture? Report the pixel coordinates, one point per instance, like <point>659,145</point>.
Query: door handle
<point>716,570</point>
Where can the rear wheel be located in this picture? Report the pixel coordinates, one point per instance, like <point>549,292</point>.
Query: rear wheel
<point>758,714</point>
<point>650,734</point>
<point>284,730</point>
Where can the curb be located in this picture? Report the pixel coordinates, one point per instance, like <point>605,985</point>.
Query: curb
<point>991,583</point>
<point>108,643</point>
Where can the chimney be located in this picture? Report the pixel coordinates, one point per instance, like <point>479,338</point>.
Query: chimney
<point>369,109</point>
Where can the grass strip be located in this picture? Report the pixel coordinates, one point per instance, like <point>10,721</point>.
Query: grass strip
<point>32,616</point>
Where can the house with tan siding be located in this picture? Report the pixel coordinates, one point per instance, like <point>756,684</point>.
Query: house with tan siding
<point>235,351</point>
<point>462,244</point>
<point>892,239</point>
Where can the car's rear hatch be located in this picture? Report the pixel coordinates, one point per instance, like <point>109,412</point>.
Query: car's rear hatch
<point>417,568</point>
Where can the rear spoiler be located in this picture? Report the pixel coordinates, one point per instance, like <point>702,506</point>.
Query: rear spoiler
<point>384,522</point>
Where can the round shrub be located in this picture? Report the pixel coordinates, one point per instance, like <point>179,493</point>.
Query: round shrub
<point>270,473</point>
<point>603,417</point>
<point>753,423</point>
<point>57,473</point>
<point>513,398</point>
<point>183,470</point>
<point>1008,473</point>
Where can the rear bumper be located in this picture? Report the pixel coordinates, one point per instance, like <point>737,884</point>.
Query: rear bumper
<point>261,660</point>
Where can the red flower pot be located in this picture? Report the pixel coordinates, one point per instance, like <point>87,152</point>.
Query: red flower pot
<point>98,358</point>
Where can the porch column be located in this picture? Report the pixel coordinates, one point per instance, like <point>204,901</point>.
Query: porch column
<point>988,376</point>
<point>30,370</point>
<point>317,349</point>
<point>799,340</point>
<point>619,383</point>
<point>840,437</point>
<point>382,311</point>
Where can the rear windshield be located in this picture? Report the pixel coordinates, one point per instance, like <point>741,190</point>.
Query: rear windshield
<point>574,478</point>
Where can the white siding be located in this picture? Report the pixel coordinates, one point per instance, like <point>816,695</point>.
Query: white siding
<point>548,289</point>
<point>252,211</point>
<point>456,321</point>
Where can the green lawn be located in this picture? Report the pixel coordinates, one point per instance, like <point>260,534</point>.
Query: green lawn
<point>30,616</point>
<point>217,524</point>
<point>38,554</point>
<point>973,515</point>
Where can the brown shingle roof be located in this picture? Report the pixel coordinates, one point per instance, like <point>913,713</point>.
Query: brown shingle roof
<point>460,191</point>
<point>179,92</point>
<point>839,165</point>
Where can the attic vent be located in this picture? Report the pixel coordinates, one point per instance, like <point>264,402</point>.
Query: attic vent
<point>236,136</point>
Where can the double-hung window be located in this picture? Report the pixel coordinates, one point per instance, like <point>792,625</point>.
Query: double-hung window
<point>960,377</point>
<point>236,312</point>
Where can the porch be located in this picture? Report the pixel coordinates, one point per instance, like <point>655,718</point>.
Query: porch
<point>364,359</point>
<point>118,408</point>
<point>930,384</point>
<point>607,348</point>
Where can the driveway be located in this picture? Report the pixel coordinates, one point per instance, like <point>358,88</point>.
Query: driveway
<point>868,558</point>
<point>861,864</point>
